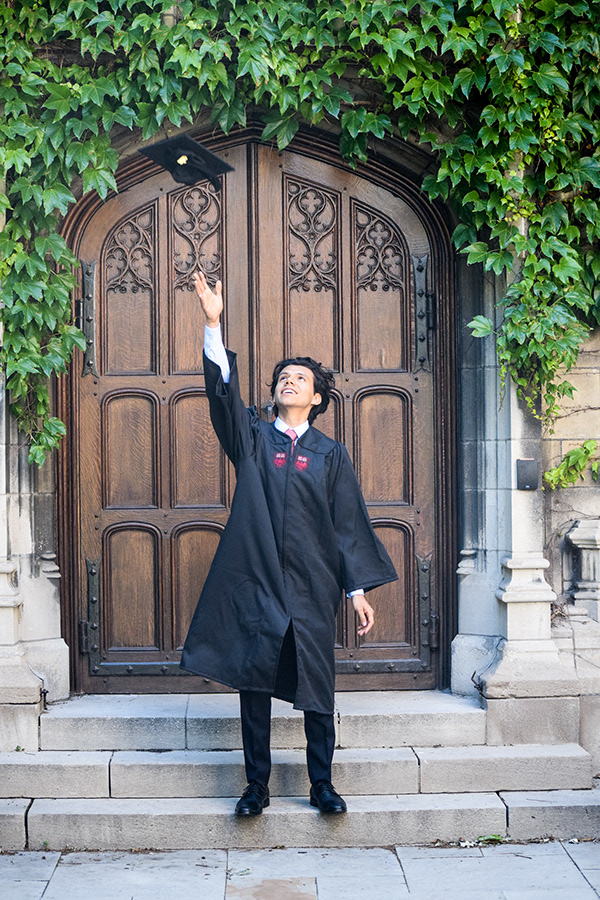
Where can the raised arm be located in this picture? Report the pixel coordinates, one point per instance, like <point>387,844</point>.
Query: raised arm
<point>212,307</point>
<point>229,416</point>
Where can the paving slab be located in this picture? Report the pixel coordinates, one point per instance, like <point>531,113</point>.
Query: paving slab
<point>335,861</point>
<point>22,890</point>
<point>190,823</point>
<point>586,855</point>
<point>115,722</point>
<point>12,824</point>
<point>533,815</point>
<point>272,889</point>
<point>362,887</point>
<point>28,866</point>
<point>220,773</point>
<point>55,773</point>
<point>441,893</point>
<point>409,719</point>
<point>144,876</point>
<point>504,768</point>
<point>585,893</point>
<point>492,893</point>
<point>25,876</point>
<point>501,872</point>
<point>340,872</point>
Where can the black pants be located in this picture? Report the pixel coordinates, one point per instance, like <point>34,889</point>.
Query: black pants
<point>255,709</point>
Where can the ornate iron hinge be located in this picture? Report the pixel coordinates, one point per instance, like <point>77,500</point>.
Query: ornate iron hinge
<point>430,621</point>
<point>85,317</point>
<point>425,313</point>
<point>92,629</point>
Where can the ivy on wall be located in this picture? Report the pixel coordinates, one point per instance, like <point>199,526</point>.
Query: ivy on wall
<point>507,94</point>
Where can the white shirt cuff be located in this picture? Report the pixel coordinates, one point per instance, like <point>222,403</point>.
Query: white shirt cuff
<point>355,593</point>
<point>215,350</point>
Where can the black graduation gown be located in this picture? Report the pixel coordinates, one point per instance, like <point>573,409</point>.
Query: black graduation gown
<point>297,536</point>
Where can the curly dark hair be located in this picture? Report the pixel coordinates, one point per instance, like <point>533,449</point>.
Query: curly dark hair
<point>324,382</point>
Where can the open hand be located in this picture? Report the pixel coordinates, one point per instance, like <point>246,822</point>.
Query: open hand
<point>212,301</point>
<point>365,613</point>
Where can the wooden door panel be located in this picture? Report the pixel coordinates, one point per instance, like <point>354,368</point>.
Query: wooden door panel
<point>131,599</point>
<point>312,295</point>
<point>195,239</point>
<point>383,442</point>
<point>130,451</point>
<point>394,602</point>
<point>197,476</point>
<point>193,548</point>
<point>381,286</point>
<point>129,292</point>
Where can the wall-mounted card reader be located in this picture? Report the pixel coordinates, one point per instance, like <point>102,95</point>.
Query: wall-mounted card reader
<point>527,474</point>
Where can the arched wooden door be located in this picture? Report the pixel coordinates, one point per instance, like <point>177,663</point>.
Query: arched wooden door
<point>315,261</point>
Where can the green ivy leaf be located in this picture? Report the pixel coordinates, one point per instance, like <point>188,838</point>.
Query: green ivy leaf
<point>283,128</point>
<point>57,197</point>
<point>481,326</point>
<point>99,179</point>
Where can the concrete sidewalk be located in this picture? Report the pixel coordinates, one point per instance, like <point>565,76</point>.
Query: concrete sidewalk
<point>547,871</point>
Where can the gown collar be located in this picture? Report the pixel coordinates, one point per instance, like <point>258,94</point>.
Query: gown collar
<point>301,429</point>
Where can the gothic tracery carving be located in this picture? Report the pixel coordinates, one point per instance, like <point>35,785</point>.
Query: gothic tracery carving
<point>196,233</point>
<point>312,226</point>
<point>379,253</point>
<point>129,258</point>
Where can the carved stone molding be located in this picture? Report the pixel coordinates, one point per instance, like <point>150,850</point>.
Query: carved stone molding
<point>467,564</point>
<point>524,582</point>
<point>49,566</point>
<point>585,538</point>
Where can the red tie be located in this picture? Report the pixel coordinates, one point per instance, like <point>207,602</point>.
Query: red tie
<point>292,434</point>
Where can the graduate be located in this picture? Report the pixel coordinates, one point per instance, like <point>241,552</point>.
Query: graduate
<point>298,536</point>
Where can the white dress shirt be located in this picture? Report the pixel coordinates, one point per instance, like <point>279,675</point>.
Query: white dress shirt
<point>215,351</point>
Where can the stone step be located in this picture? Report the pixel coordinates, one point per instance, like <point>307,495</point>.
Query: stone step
<point>463,769</point>
<point>375,771</point>
<point>184,823</point>
<point>211,722</point>
<point>165,824</point>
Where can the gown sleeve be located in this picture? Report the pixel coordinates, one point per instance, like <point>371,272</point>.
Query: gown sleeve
<point>365,561</point>
<point>231,420</point>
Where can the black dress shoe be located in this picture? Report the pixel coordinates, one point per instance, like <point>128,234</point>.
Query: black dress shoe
<point>253,800</point>
<point>324,795</point>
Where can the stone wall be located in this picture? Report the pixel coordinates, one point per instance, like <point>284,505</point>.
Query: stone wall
<point>572,536</point>
<point>33,656</point>
<point>579,421</point>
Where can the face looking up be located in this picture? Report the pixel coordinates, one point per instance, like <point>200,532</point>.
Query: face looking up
<point>295,390</point>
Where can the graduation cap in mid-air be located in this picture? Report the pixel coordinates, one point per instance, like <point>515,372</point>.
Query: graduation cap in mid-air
<point>187,160</point>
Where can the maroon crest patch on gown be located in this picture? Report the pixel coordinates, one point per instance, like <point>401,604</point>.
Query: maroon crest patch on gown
<point>301,463</point>
<point>279,460</point>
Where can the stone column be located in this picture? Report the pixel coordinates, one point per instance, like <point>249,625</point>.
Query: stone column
<point>530,691</point>
<point>20,688</point>
<point>585,537</point>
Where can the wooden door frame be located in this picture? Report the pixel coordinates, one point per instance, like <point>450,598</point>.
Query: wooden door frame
<point>387,171</point>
